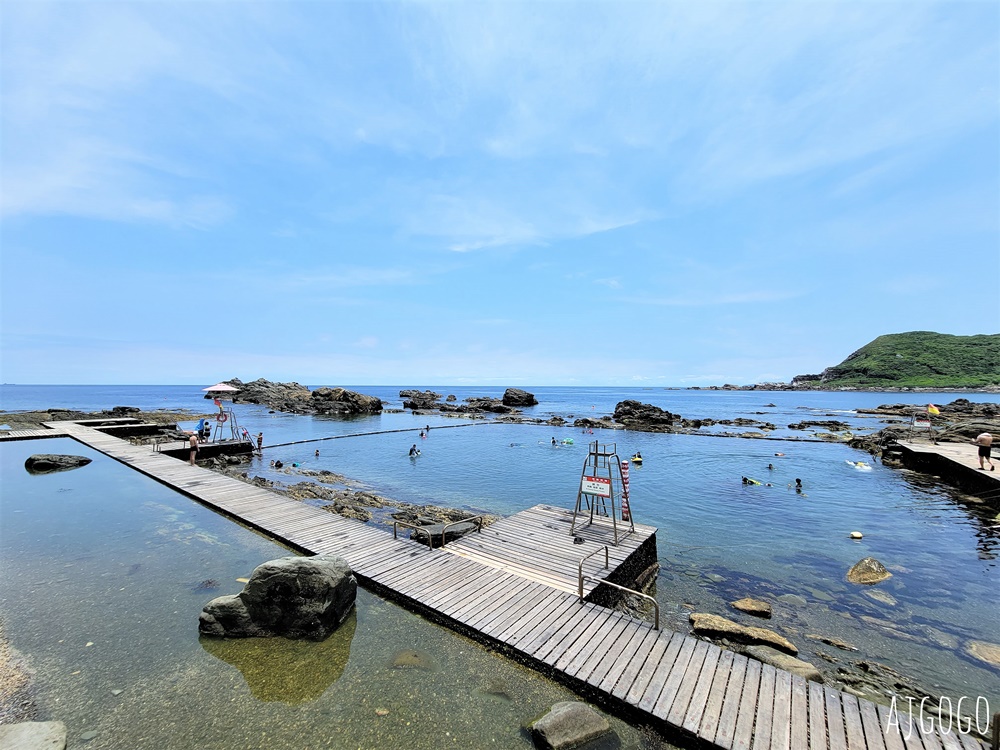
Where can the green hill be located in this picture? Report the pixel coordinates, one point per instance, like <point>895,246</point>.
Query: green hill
<point>916,360</point>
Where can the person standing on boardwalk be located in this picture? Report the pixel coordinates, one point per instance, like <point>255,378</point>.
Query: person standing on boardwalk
<point>260,442</point>
<point>193,443</point>
<point>985,442</point>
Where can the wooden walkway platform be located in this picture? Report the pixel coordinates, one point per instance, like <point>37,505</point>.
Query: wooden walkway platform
<point>696,692</point>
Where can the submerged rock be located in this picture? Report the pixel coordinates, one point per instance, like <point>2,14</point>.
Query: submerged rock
<point>30,735</point>
<point>868,571</point>
<point>714,626</point>
<point>412,658</point>
<point>568,724</point>
<point>754,607</point>
<point>47,463</point>
<point>296,597</point>
<point>987,653</point>
<point>788,663</point>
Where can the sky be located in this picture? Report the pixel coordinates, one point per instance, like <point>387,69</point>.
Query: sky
<point>471,193</point>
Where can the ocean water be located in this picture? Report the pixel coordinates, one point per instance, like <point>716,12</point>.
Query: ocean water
<point>719,539</point>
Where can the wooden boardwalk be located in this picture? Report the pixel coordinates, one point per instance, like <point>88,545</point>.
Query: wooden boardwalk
<point>694,691</point>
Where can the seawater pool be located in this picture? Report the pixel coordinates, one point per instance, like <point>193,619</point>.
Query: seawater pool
<point>104,574</point>
<point>721,540</point>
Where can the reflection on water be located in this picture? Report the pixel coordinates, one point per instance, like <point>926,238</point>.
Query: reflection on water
<point>286,670</point>
<point>104,575</point>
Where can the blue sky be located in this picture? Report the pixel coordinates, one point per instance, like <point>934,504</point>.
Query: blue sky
<point>549,193</point>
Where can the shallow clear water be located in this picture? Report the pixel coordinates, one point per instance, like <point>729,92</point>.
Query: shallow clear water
<point>719,540</point>
<point>104,575</point>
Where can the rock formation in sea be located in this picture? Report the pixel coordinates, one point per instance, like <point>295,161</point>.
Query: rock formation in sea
<point>48,463</point>
<point>294,597</point>
<point>298,399</point>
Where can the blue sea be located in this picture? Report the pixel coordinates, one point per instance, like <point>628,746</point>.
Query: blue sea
<point>719,540</point>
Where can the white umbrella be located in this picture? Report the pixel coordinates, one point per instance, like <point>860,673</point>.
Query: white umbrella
<point>222,387</point>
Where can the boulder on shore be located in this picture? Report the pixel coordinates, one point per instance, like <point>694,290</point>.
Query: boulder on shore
<point>714,626</point>
<point>295,597</point>
<point>568,724</point>
<point>47,463</point>
<point>868,571</point>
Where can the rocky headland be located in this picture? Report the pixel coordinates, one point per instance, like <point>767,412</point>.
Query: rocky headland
<point>298,399</point>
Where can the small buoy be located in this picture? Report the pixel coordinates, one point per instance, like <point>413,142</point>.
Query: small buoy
<point>856,535</point>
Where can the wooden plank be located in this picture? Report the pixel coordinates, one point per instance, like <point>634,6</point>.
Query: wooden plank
<point>743,736</point>
<point>517,613</point>
<point>731,703</point>
<point>663,671</point>
<point>817,717</point>
<point>616,658</point>
<point>664,649</point>
<point>835,719</point>
<point>515,631</point>
<point>691,719</point>
<point>567,634</point>
<point>708,724</point>
<point>852,722</point>
<point>874,736</point>
<point>799,716</point>
<point>891,729</point>
<point>584,662</point>
<point>765,708</point>
<point>590,636</point>
<point>781,719</point>
<point>629,656</point>
<point>554,632</point>
<point>534,637</point>
<point>673,701</point>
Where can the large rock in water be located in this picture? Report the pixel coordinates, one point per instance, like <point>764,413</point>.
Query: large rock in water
<point>341,401</point>
<point>714,626</point>
<point>296,597</point>
<point>46,463</point>
<point>868,571</point>
<point>517,397</point>
<point>568,724</point>
<point>646,417</point>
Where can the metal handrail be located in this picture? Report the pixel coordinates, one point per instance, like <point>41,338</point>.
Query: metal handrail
<point>656,606</point>
<point>479,525</point>
<point>444,529</point>
<point>395,524</point>
<point>579,568</point>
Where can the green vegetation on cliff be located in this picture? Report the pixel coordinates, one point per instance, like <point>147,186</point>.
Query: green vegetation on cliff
<point>920,359</point>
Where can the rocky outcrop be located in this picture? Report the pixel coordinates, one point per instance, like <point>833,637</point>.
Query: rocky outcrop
<point>344,402</point>
<point>297,399</point>
<point>646,417</point>
<point>294,597</point>
<point>868,571</point>
<point>826,424</point>
<point>713,626</point>
<point>517,397</point>
<point>48,463</point>
<point>568,724</point>
<point>413,399</point>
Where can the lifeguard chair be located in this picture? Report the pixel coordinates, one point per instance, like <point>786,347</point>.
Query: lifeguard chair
<point>603,490</point>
